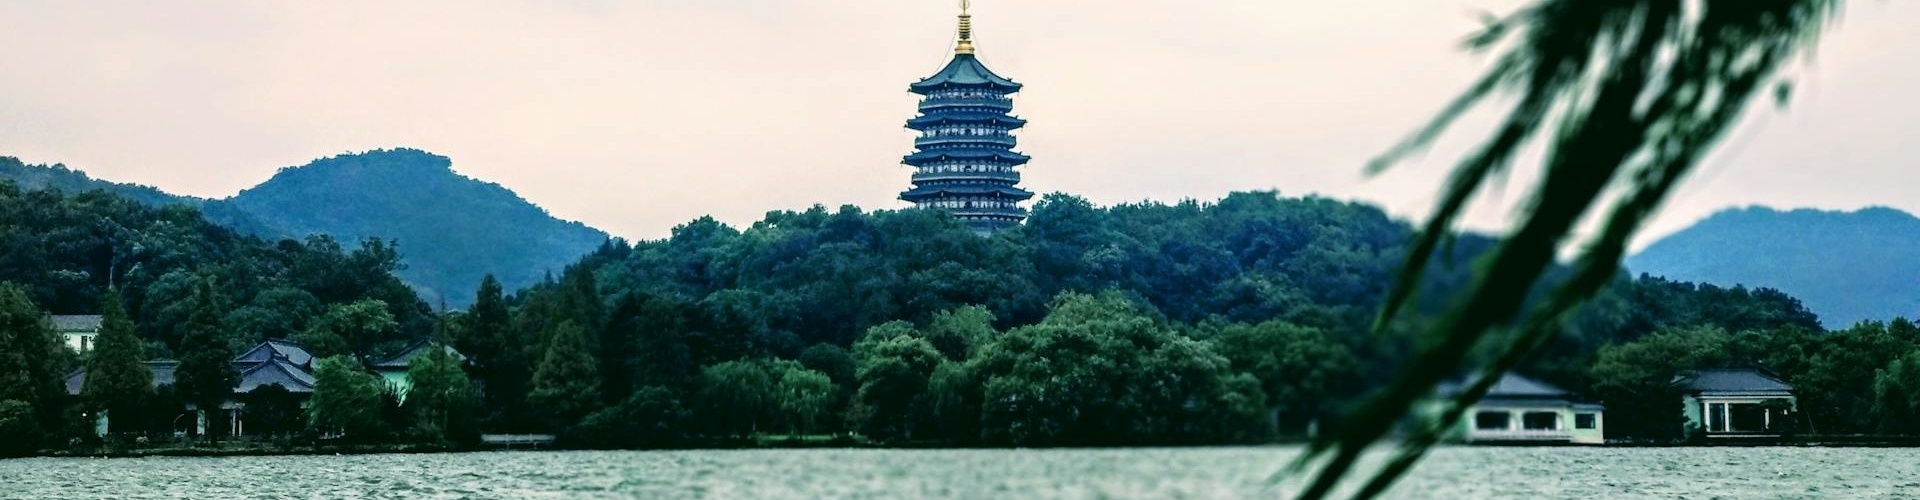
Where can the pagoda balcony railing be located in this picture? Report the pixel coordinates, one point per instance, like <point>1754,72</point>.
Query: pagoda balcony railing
<point>993,102</point>
<point>955,176</point>
<point>925,140</point>
<point>987,212</point>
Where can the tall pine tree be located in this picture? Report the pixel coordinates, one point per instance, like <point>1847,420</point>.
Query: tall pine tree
<point>205,377</point>
<point>566,386</point>
<point>117,382</point>
<point>498,353</point>
<point>443,400</point>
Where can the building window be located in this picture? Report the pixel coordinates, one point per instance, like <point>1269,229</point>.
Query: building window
<point>1584,421</point>
<point>1540,421</point>
<point>1491,420</point>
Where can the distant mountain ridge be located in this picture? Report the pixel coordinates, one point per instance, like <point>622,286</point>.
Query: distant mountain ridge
<point>1846,266</point>
<point>451,229</point>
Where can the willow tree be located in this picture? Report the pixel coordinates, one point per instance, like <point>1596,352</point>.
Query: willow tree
<point>1626,97</point>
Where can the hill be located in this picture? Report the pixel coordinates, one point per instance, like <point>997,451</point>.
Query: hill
<point>66,251</point>
<point>1846,266</point>
<point>451,229</point>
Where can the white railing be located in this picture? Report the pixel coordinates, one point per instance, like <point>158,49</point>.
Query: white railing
<point>1519,434</point>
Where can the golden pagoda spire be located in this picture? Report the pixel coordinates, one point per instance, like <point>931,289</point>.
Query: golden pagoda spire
<point>966,30</point>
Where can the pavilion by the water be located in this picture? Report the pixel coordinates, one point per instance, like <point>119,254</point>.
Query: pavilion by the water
<point>963,160</point>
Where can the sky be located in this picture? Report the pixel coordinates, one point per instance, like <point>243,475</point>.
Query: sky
<point>636,116</point>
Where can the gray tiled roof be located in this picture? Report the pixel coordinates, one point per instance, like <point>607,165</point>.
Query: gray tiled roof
<point>280,372</point>
<point>162,375</point>
<point>288,350</point>
<point>1510,386</point>
<point>271,362</point>
<point>1736,381</point>
<point>405,358</point>
<point>75,323</point>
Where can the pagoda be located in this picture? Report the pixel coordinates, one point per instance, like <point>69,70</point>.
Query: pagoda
<point>964,159</point>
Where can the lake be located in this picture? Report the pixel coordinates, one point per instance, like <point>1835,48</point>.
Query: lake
<point>1453,472</point>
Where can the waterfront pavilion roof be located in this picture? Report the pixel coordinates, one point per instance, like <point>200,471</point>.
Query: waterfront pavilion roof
<point>1733,382</point>
<point>1510,385</point>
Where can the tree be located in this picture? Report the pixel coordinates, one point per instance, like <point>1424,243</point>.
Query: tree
<point>272,410</point>
<point>651,417</point>
<point>354,328</point>
<point>832,360</point>
<point>1636,379</point>
<point>893,365</point>
<point>1896,395</point>
<point>954,398</point>
<point>346,401</point>
<point>1296,366</point>
<point>31,395</point>
<point>499,354</point>
<point>205,377</point>
<point>1087,375</point>
<point>803,396</point>
<point>117,382</point>
<point>442,399</point>
<point>566,385</point>
<point>733,396</point>
<point>955,332</point>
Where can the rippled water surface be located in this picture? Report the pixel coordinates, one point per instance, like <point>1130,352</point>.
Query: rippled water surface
<point>1099,473</point>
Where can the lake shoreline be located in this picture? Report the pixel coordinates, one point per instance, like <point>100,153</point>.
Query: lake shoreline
<point>852,443</point>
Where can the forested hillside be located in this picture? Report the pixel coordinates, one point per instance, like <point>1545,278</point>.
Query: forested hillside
<point>1847,266</point>
<point>66,251</point>
<point>453,229</point>
<point>1232,321</point>
<point>1134,324</point>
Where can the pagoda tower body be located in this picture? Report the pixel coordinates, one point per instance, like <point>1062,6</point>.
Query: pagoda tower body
<point>963,160</point>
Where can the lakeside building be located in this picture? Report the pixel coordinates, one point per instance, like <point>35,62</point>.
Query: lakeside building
<point>393,370</point>
<point>1518,409</point>
<point>1736,403</point>
<point>963,160</point>
<point>79,331</point>
<point>273,362</point>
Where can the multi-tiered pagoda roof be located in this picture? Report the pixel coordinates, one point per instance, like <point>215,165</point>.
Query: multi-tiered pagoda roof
<point>964,162</point>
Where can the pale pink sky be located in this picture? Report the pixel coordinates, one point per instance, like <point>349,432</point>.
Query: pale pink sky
<point>636,116</point>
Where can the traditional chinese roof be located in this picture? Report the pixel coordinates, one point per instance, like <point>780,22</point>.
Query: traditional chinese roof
<point>271,362</point>
<point>295,378</point>
<point>968,190</point>
<point>964,70</point>
<point>1733,382</point>
<point>75,323</point>
<point>928,155</point>
<point>405,358</point>
<point>1011,122</point>
<point>272,348</point>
